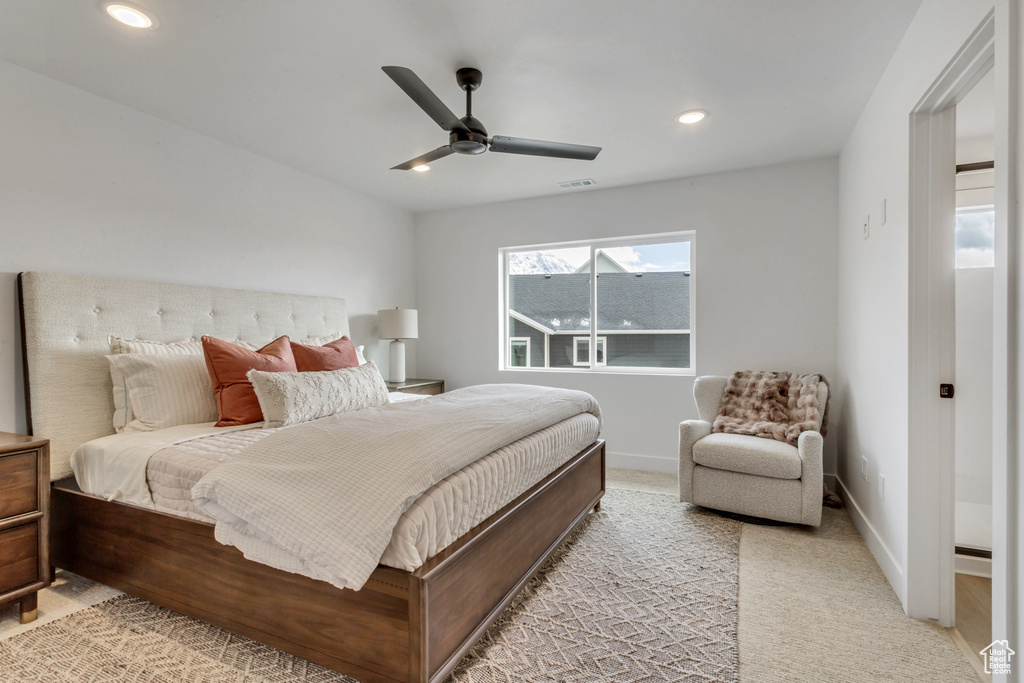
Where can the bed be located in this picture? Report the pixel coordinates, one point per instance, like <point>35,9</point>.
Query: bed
<point>401,626</point>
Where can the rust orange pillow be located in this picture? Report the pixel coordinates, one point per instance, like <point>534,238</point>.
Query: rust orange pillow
<point>339,354</point>
<point>228,363</point>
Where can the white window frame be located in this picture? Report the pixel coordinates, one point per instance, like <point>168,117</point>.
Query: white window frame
<point>511,341</point>
<point>601,342</point>
<point>595,245</point>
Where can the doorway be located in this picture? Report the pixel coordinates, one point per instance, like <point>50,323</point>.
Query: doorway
<point>932,338</point>
<point>974,266</point>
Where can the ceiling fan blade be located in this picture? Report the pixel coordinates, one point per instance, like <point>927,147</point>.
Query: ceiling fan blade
<point>540,148</point>
<point>438,153</point>
<point>425,97</point>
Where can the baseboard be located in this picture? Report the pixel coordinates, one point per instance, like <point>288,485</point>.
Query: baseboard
<point>883,556</point>
<point>644,463</point>
<point>974,566</point>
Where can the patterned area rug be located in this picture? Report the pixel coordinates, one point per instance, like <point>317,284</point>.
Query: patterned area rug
<point>644,591</point>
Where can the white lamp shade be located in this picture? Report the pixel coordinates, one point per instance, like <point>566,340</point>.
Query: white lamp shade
<point>397,323</point>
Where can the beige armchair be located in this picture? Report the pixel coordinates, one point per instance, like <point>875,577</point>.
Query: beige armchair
<point>749,475</point>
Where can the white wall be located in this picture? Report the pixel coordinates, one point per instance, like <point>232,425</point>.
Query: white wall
<point>90,187</point>
<point>974,296</point>
<point>764,273</point>
<point>874,281</point>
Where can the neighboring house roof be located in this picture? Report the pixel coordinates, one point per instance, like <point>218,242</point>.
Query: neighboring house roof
<point>605,264</point>
<point>625,301</point>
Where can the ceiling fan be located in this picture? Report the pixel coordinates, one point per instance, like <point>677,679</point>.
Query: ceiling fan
<point>468,135</point>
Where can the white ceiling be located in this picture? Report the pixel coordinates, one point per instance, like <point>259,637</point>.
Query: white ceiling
<point>299,81</point>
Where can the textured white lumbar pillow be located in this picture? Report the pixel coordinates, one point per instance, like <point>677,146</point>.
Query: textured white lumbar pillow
<point>288,398</point>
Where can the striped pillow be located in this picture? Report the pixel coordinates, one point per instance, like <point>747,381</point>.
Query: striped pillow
<point>165,390</point>
<point>123,413</point>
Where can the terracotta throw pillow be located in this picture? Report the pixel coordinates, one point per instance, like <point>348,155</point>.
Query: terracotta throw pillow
<point>228,364</point>
<point>337,355</point>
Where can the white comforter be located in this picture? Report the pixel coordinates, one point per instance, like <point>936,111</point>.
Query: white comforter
<point>321,498</point>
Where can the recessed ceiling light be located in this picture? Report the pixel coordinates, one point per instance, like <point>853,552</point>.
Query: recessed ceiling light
<point>130,16</point>
<point>692,116</point>
<point>421,168</point>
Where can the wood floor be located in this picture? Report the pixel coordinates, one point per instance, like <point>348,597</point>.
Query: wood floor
<point>974,613</point>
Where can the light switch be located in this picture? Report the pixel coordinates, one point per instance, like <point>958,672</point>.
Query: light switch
<point>867,227</point>
<point>881,215</point>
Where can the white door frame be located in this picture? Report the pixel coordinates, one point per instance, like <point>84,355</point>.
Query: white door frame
<point>1007,337</point>
<point>932,360</point>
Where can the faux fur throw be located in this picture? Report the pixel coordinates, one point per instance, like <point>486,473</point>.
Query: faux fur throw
<point>772,405</point>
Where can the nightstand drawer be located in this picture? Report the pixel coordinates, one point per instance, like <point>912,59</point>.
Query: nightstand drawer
<point>19,557</point>
<point>19,484</point>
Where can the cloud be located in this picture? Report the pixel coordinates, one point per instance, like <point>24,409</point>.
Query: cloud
<point>628,257</point>
<point>975,230</point>
<point>975,258</point>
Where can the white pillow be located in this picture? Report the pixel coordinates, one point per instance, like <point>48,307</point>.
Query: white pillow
<point>123,413</point>
<point>165,390</point>
<point>122,408</point>
<point>288,398</point>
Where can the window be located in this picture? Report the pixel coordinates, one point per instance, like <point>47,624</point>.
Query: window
<point>611,305</point>
<point>519,352</point>
<point>975,217</point>
<point>975,237</point>
<point>581,353</point>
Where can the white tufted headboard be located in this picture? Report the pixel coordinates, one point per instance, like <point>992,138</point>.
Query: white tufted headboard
<point>66,320</point>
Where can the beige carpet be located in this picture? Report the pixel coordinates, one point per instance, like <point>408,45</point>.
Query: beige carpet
<point>813,606</point>
<point>68,594</point>
<point>645,591</point>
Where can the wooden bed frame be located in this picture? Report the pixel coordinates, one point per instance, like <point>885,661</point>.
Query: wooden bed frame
<point>402,626</point>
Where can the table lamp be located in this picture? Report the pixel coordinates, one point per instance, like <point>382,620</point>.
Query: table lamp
<point>397,324</point>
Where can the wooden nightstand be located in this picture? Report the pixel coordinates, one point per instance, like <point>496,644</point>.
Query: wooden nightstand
<point>24,520</point>
<point>427,387</point>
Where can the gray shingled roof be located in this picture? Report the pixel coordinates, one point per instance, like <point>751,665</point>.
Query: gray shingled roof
<point>625,301</point>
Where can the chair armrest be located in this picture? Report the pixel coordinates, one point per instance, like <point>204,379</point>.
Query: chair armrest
<point>810,447</point>
<point>690,431</point>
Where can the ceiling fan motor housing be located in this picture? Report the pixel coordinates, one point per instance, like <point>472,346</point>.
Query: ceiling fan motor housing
<point>473,141</point>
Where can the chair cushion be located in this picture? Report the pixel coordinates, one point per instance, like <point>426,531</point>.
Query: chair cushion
<point>748,454</point>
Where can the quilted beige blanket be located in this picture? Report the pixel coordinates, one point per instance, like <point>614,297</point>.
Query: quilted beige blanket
<point>321,498</point>
<point>772,405</point>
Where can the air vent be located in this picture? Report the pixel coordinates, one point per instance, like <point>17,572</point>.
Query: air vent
<point>572,184</point>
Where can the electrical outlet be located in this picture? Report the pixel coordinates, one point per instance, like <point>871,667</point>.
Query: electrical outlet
<point>867,227</point>
<point>881,487</point>
<point>864,468</point>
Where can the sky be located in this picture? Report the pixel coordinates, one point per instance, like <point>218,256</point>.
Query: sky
<point>975,238</point>
<point>647,258</point>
